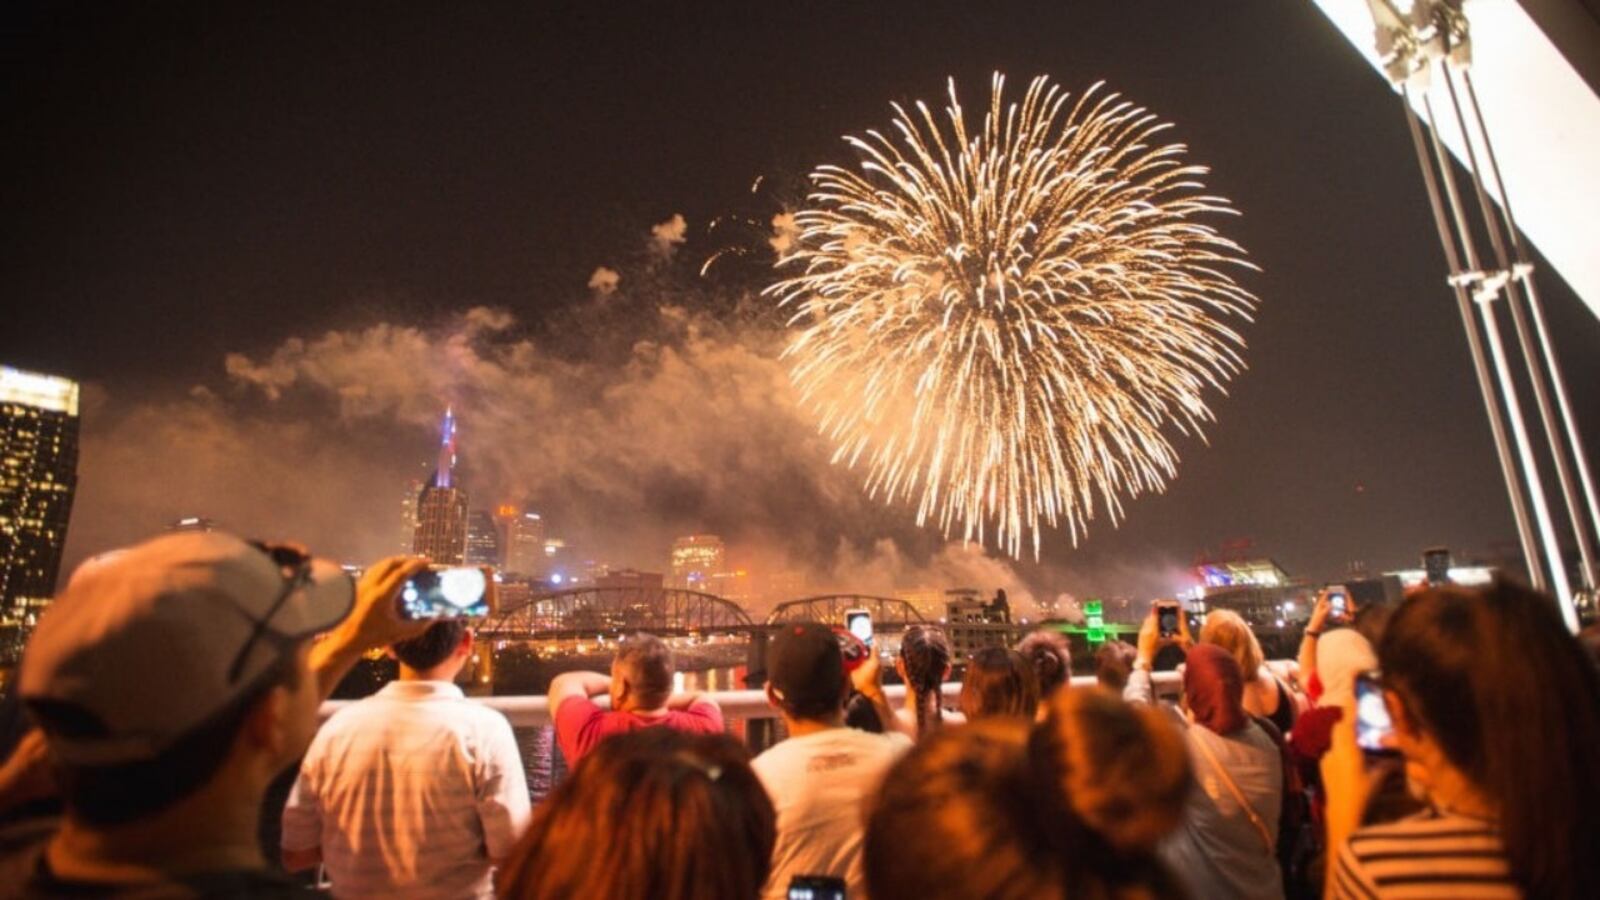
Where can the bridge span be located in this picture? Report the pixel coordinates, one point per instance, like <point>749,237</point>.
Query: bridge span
<point>589,611</point>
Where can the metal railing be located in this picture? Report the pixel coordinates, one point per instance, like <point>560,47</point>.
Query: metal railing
<point>534,711</point>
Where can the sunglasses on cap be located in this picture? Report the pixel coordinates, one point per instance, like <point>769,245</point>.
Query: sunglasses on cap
<point>294,567</point>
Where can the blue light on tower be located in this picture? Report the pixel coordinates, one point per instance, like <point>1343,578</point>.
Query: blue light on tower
<point>447,449</point>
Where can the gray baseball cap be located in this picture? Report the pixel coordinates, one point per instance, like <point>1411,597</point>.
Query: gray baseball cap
<point>148,643</point>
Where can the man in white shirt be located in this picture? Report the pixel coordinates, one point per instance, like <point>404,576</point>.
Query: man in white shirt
<point>820,777</point>
<point>414,791</point>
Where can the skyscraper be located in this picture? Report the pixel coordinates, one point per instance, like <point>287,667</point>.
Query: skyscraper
<point>408,515</point>
<point>441,534</point>
<point>524,546</point>
<point>695,558</point>
<point>38,474</point>
<point>483,539</point>
<point>445,470</point>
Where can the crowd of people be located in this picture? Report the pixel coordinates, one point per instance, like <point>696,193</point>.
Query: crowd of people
<point>1443,746</point>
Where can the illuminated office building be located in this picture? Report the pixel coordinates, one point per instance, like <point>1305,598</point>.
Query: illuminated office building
<point>441,533</point>
<point>735,585</point>
<point>38,474</point>
<point>524,542</point>
<point>408,515</point>
<point>483,539</point>
<point>695,559</point>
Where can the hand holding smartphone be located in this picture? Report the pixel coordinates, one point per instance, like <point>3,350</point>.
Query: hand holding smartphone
<point>1374,727</point>
<point>816,887</point>
<point>1341,610</point>
<point>859,623</point>
<point>455,592</point>
<point>1167,613</point>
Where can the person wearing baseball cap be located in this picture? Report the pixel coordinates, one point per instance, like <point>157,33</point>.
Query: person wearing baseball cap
<point>173,681</point>
<point>822,774</point>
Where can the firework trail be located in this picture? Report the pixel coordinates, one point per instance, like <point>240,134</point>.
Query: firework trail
<point>1000,324</point>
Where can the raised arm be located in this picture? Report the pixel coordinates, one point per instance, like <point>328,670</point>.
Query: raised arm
<point>28,773</point>
<point>682,702</point>
<point>868,681</point>
<point>373,622</point>
<point>1139,688</point>
<point>1346,784</point>
<point>567,685</point>
<point>1308,640</point>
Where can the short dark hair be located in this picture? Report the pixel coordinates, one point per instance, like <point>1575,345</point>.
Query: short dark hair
<point>120,793</point>
<point>433,646</point>
<point>646,662</point>
<point>805,669</point>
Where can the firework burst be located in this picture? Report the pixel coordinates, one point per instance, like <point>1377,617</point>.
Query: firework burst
<point>1002,325</point>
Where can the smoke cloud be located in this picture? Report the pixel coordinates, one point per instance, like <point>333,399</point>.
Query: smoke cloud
<point>604,281</point>
<point>666,236</point>
<point>664,412</point>
<point>784,234</point>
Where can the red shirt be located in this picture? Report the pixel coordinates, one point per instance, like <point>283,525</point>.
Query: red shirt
<point>580,724</point>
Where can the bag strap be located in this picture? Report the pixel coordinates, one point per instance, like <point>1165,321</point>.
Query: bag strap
<point>1238,795</point>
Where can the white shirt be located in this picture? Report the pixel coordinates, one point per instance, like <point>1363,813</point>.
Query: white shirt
<point>410,792</point>
<point>818,784</point>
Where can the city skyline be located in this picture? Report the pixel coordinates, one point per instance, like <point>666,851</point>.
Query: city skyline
<point>38,478</point>
<point>315,317</point>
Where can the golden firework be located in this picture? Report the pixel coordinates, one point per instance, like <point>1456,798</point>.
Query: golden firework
<point>1003,324</point>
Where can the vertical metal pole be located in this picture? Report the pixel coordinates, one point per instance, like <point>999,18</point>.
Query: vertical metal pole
<point>1508,387</point>
<point>1475,345</point>
<point>1585,528</point>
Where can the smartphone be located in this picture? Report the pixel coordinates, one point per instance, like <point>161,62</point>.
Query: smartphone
<point>859,623</point>
<point>458,592</point>
<point>1373,725</point>
<point>1167,619</point>
<point>1338,604</point>
<point>1436,563</point>
<point>853,650</point>
<point>816,887</point>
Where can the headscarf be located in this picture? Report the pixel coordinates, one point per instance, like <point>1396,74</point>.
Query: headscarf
<point>1342,654</point>
<point>1213,688</point>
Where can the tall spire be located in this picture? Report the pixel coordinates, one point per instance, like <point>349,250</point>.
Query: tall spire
<point>447,449</point>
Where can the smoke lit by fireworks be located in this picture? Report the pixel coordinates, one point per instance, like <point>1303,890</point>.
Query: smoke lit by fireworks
<point>1000,324</point>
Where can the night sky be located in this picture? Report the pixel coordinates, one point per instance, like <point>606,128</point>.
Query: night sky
<point>185,181</point>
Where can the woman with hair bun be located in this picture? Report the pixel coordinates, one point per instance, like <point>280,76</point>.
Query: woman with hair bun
<point>1071,807</point>
<point>1051,658</point>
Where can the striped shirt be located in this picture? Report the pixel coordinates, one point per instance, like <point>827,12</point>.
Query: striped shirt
<point>1429,855</point>
<point>410,793</point>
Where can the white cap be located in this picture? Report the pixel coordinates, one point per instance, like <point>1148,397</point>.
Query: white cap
<point>144,645</point>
